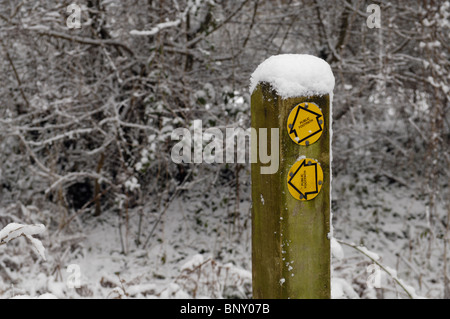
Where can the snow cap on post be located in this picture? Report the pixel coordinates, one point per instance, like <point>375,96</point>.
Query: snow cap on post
<point>293,75</point>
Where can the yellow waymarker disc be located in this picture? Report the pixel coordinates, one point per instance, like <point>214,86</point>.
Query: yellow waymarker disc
<point>305,124</point>
<point>305,179</point>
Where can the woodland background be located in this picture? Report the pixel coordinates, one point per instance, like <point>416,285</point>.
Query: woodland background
<point>86,117</point>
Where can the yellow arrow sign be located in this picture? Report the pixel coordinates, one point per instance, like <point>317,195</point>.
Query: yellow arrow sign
<point>305,124</point>
<point>305,179</point>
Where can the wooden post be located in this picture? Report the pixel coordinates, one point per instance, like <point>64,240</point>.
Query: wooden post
<point>290,244</point>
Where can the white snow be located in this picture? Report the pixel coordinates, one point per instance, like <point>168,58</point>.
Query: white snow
<point>139,289</point>
<point>293,75</point>
<point>174,291</point>
<point>37,245</point>
<point>336,249</point>
<point>156,29</point>
<point>370,254</point>
<point>132,184</point>
<point>340,289</point>
<point>193,263</point>
<point>15,230</point>
<point>393,273</point>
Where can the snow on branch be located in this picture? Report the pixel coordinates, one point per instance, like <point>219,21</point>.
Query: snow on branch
<point>410,291</point>
<point>15,230</point>
<point>82,40</point>
<point>156,29</point>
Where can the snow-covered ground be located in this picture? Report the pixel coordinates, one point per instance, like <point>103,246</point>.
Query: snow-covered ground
<point>202,257</point>
<point>209,253</point>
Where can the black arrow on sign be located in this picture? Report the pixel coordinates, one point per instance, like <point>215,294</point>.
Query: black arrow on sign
<point>294,131</point>
<point>305,195</point>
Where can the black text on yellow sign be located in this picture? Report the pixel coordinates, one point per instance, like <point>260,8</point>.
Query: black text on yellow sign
<point>305,179</point>
<point>305,124</point>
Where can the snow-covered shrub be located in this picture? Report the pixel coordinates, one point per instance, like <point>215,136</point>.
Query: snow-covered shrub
<point>208,278</point>
<point>13,231</point>
<point>10,233</point>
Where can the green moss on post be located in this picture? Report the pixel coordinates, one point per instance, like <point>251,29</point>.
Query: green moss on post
<point>290,245</point>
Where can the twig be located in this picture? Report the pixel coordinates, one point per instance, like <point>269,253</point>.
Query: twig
<point>83,40</point>
<point>193,42</point>
<point>175,194</point>
<point>379,265</point>
<point>16,75</point>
